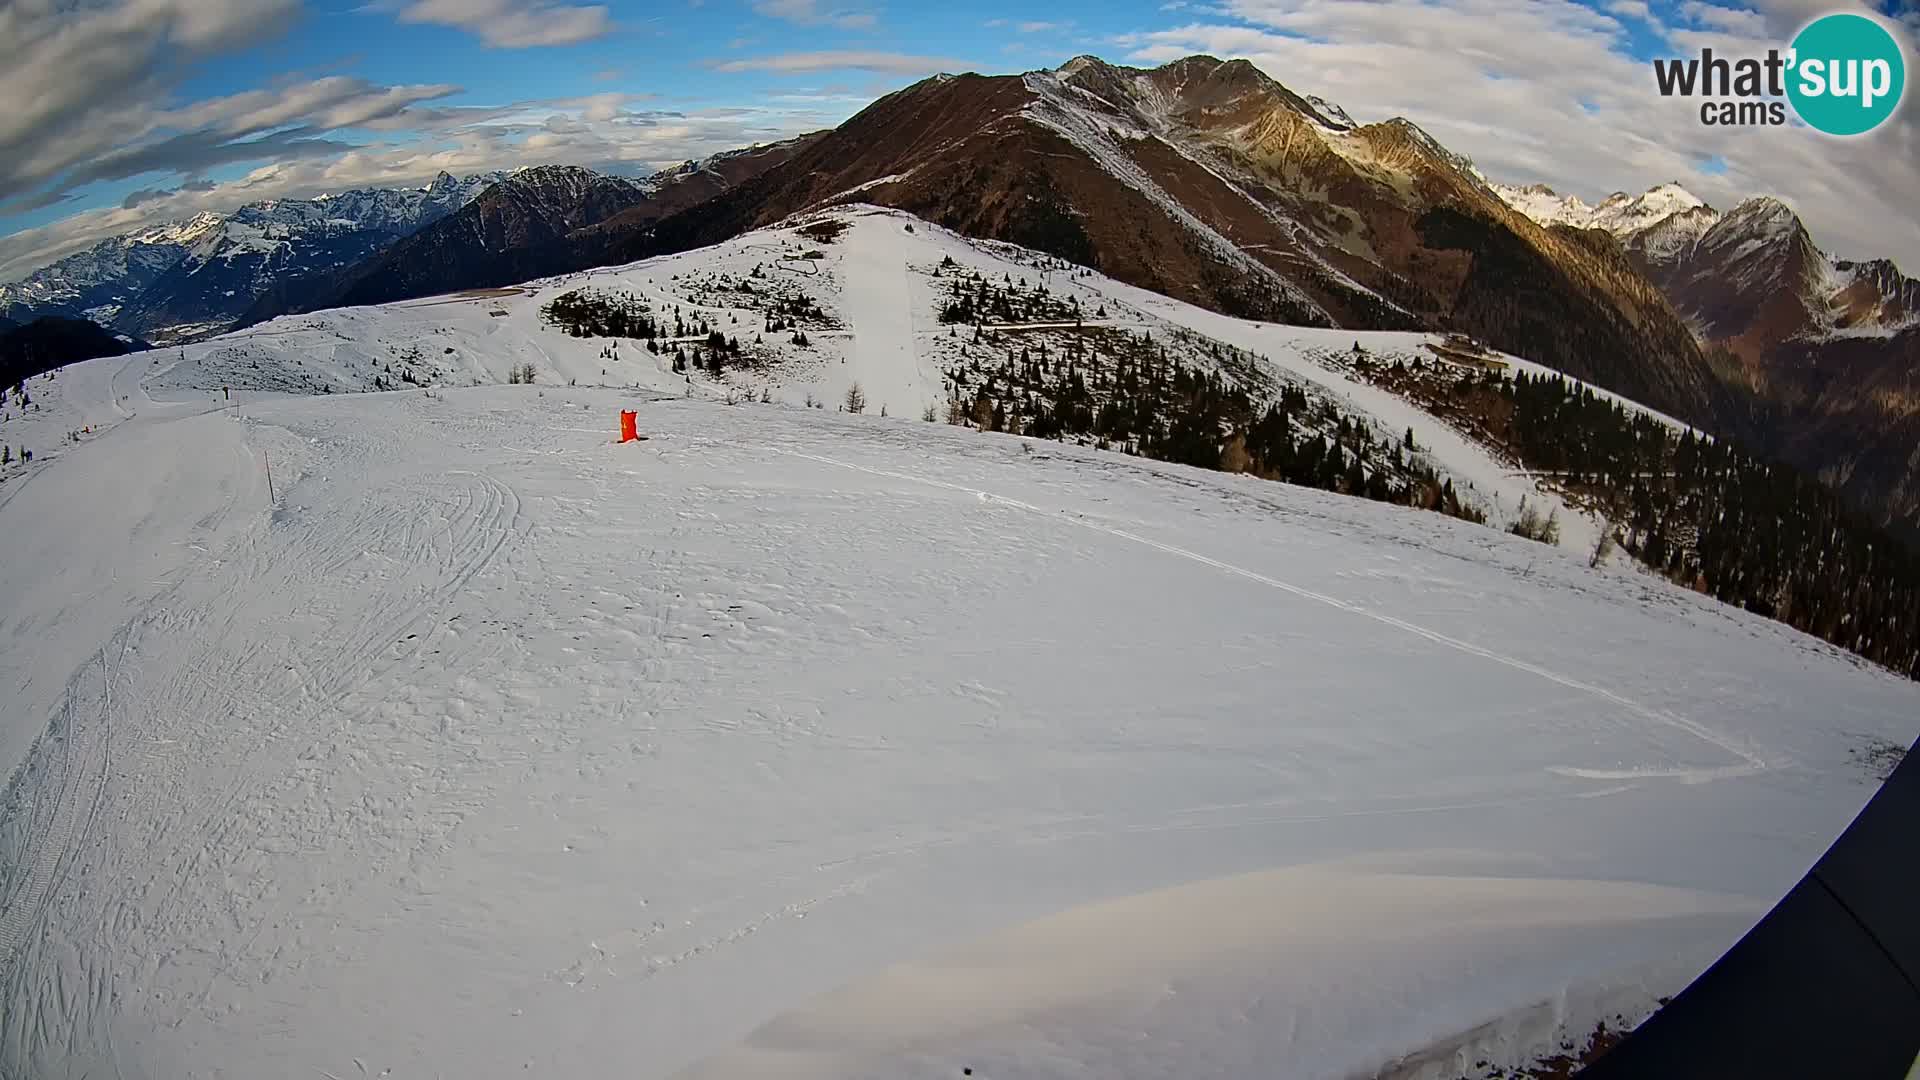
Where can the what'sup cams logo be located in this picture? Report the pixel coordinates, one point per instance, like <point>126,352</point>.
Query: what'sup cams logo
<point>1843,74</point>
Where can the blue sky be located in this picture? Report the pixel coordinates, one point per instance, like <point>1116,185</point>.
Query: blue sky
<point>144,110</point>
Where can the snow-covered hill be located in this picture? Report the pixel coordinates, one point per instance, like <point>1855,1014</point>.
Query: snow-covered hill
<point>878,290</point>
<point>790,742</point>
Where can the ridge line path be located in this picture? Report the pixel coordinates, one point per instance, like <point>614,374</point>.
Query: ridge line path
<point>1748,762</point>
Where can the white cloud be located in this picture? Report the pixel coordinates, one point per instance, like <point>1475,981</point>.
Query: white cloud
<point>844,59</point>
<point>513,24</point>
<point>64,132</point>
<point>1730,20</point>
<point>1784,17</point>
<point>82,80</point>
<point>1033,27</point>
<point>1541,90</point>
<point>810,13</point>
<point>291,121</point>
<point>332,102</point>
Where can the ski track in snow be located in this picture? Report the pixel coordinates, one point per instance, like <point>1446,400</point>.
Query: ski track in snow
<point>77,783</point>
<point>296,699</point>
<point>1749,763</point>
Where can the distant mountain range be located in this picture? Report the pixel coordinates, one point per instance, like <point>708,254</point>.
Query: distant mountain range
<point>1747,278</point>
<point>532,223</point>
<point>180,281</point>
<point>1821,353</point>
<point>188,279</point>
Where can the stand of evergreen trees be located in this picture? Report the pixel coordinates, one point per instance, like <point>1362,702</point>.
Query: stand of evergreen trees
<point>696,344</point>
<point>1704,513</point>
<point>975,299</point>
<point>792,312</point>
<point>1121,391</point>
<point>1743,529</point>
<point>784,303</point>
<point>589,313</point>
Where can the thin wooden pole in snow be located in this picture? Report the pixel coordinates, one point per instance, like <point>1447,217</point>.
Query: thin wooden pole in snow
<point>269,460</point>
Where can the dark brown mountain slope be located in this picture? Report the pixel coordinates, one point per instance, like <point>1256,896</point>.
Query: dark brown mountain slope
<point>1824,354</point>
<point>1210,182</point>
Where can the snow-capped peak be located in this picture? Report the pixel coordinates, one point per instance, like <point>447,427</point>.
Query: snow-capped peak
<point>1545,205</point>
<point>182,233</point>
<point>1671,193</point>
<point>567,178</point>
<point>1329,111</point>
<point>1761,209</point>
<point>1621,214</point>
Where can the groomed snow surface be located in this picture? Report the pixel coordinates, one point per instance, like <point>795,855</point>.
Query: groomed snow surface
<point>794,743</point>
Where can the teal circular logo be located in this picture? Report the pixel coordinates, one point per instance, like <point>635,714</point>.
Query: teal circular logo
<point>1846,74</point>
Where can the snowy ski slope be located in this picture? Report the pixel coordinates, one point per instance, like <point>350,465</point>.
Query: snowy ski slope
<point>794,743</point>
<point>881,287</point>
